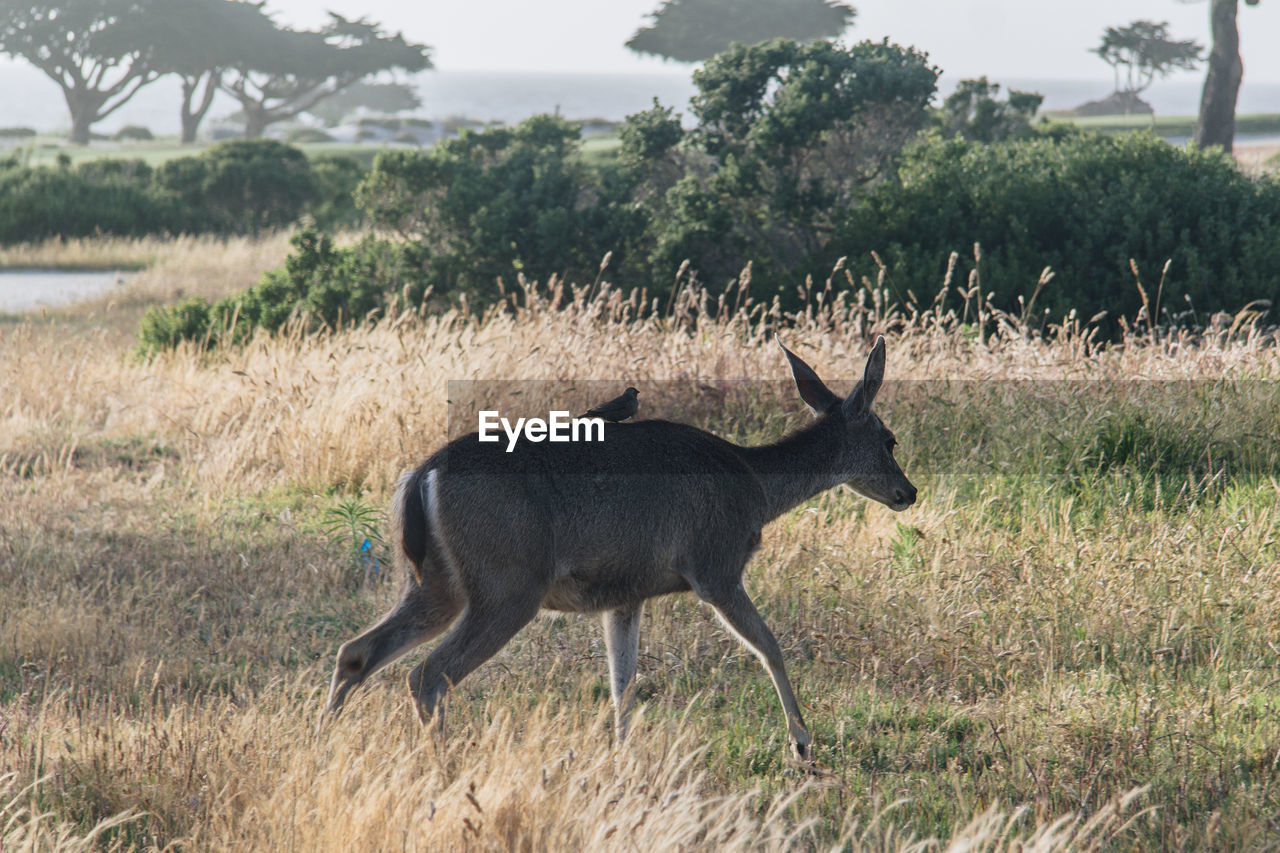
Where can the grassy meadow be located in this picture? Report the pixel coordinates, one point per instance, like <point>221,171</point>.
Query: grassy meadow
<point>1072,640</point>
<point>1162,125</point>
<point>46,149</point>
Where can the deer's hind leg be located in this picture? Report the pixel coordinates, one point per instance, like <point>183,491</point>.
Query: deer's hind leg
<point>423,612</point>
<point>497,609</point>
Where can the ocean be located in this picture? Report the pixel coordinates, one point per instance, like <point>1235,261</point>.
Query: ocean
<point>29,99</point>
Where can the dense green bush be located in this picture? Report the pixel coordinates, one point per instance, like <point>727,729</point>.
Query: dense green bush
<point>241,186</point>
<point>1083,204</point>
<point>788,136</point>
<point>801,154</point>
<point>334,181</point>
<point>470,210</point>
<point>133,133</point>
<point>299,135</point>
<point>496,203</point>
<point>165,326</point>
<point>319,285</point>
<point>974,111</point>
<point>111,196</point>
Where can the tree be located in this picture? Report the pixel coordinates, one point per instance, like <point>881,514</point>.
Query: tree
<point>97,51</point>
<point>789,137</point>
<point>290,71</point>
<point>1217,122</point>
<point>384,98</point>
<point>973,112</point>
<point>1145,51</point>
<point>492,204</point>
<point>198,40</point>
<point>694,30</point>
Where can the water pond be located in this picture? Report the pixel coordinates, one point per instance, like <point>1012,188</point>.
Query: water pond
<point>33,289</point>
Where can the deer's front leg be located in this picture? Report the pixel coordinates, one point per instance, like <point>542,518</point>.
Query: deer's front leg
<point>739,614</point>
<point>622,642</point>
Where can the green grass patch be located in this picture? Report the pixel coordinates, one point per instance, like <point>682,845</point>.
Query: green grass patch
<point>1259,123</point>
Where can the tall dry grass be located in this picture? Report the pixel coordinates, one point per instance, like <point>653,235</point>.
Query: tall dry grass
<point>168,269</point>
<point>329,409</point>
<point>1037,638</point>
<point>168,257</point>
<point>92,253</point>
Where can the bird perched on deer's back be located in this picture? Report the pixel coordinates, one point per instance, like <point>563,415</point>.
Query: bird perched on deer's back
<point>617,409</point>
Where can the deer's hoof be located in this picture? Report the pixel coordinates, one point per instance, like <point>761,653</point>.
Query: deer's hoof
<point>802,751</point>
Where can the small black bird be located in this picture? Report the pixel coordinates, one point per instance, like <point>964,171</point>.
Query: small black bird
<point>617,409</point>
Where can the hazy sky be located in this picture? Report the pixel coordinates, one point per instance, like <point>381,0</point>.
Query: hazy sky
<point>999,38</point>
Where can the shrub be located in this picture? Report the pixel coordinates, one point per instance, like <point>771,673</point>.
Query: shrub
<point>388,124</point>
<point>335,178</point>
<point>495,203</point>
<point>165,327</point>
<point>300,135</point>
<point>17,132</point>
<point>788,136</point>
<point>126,171</point>
<point>320,284</point>
<point>239,186</point>
<point>973,112</point>
<point>132,132</point>
<point>1083,204</point>
<point>108,196</point>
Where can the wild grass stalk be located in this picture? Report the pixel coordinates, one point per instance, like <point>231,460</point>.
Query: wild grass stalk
<point>1084,603</point>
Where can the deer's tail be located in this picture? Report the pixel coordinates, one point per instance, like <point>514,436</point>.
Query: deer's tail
<point>409,519</point>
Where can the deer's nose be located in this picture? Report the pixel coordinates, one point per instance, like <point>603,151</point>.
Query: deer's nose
<point>905,496</point>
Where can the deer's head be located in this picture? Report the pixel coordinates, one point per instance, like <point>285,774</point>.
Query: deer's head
<point>864,460</point>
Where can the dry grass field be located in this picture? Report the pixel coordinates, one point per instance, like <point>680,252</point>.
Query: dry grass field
<point>1072,641</point>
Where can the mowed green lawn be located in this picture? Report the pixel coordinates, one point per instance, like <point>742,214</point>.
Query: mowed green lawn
<point>1258,123</point>
<point>45,150</point>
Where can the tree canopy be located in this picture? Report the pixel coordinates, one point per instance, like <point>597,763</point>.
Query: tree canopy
<point>97,51</point>
<point>973,112</point>
<point>198,40</point>
<point>694,30</point>
<point>384,98</point>
<point>1144,50</point>
<point>101,52</point>
<point>788,136</point>
<point>293,70</point>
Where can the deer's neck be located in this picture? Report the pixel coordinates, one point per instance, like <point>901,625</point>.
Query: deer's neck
<point>799,466</point>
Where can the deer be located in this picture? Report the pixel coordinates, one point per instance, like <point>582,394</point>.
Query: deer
<point>490,538</point>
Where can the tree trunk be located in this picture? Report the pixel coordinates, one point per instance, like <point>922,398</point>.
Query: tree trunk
<point>192,116</point>
<point>83,115</point>
<point>190,126</point>
<point>255,122</point>
<point>1217,122</point>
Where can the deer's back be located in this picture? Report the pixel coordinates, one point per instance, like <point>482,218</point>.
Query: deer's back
<point>601,523</point>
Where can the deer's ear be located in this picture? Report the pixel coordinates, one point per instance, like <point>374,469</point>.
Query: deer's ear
<point>859,401</point>
<point>815,394</point>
